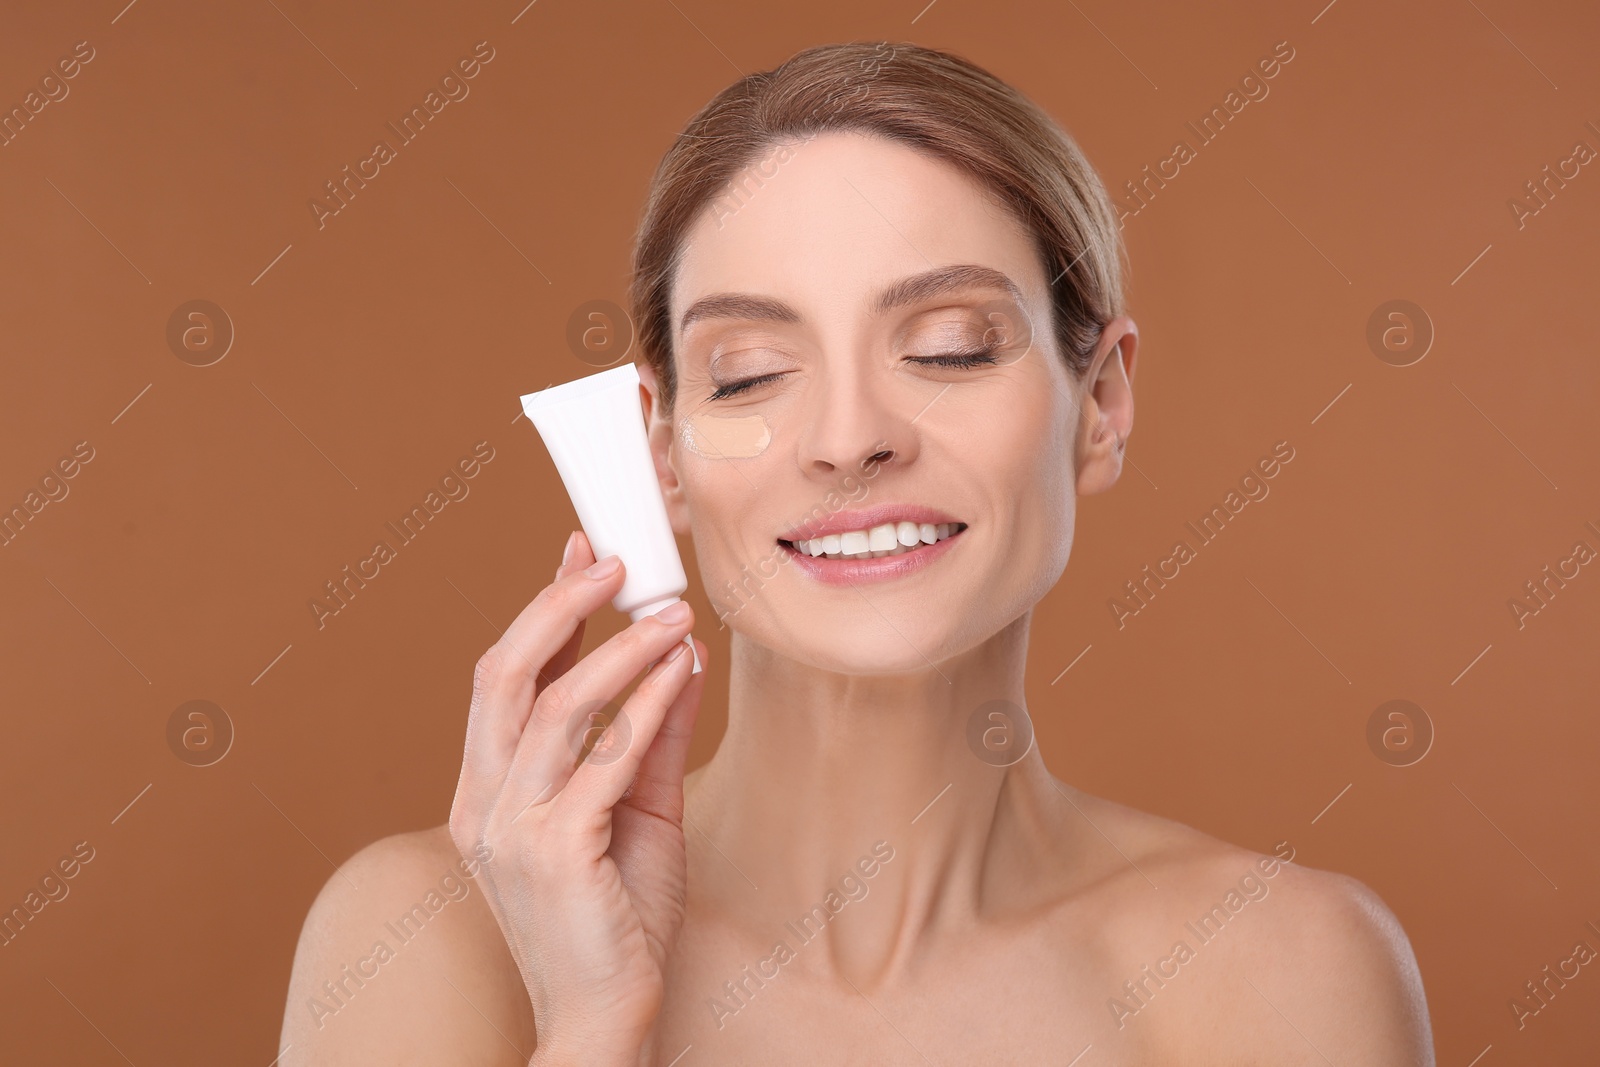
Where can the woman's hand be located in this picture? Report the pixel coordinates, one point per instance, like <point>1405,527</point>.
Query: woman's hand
<point>588,867</point>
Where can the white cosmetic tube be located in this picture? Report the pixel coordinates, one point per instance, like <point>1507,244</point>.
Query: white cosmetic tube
<point>595,433</point>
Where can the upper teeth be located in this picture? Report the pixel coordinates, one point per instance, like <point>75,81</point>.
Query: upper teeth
<point>889,539</point>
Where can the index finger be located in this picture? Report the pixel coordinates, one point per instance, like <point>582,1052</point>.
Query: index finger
<point>579,556</point>
<point>506,680</point>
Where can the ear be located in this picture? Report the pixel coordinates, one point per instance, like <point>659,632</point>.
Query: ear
<point>661,436</point>
<point>1107,417</point>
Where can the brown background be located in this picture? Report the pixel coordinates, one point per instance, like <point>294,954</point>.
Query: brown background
<point>377,350</point>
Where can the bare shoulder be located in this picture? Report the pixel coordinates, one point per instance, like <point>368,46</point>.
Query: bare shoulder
<point>1332,957</point>
<point>1270,960</point>
<point>400,960</point>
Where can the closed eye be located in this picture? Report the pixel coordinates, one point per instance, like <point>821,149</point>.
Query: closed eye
<point>984,357</point>
<point>735,388</point>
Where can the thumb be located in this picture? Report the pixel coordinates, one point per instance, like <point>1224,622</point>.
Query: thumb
<point>657,787</point>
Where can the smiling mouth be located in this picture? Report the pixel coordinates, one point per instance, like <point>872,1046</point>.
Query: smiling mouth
<point>887,539</point>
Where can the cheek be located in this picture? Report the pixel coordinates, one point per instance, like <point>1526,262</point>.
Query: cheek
<point>1034,461</point>
<point>725,509</point>
<point>1050,513</point>
<point>718,437</point>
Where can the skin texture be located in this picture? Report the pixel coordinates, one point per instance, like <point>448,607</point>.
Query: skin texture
<point>1004,909</point>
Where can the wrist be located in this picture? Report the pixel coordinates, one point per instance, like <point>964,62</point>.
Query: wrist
<point>554,1054</point>
<point>564,1041</point>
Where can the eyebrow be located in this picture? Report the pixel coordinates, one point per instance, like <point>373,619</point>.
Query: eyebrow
<point>908,290</point>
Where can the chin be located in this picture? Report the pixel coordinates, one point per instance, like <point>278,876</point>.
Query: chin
<point>881,652</point>
<point>867,634</point>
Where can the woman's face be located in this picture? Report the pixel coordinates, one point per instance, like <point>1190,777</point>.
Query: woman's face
<point>817,394</point>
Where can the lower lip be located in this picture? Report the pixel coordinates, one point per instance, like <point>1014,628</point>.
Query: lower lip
<point>873,568</point>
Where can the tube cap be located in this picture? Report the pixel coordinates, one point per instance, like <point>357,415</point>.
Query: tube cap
<point>657,605</point>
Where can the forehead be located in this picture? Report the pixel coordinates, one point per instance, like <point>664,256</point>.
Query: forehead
<point>825,223</point>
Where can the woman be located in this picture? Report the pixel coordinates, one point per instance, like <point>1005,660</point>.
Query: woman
<point>879,298</point>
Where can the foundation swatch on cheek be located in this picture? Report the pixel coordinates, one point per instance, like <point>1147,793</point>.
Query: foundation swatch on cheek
<point>726,436</point>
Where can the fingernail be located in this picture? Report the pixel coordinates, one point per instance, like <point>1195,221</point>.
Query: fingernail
<point>674,613</point>
<point>566,553</point>
<point>605,568</point>
<point>677,650</point>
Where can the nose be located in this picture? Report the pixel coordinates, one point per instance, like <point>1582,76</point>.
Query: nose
<point>853,425</point>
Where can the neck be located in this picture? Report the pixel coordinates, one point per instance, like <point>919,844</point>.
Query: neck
<point>820,776</point>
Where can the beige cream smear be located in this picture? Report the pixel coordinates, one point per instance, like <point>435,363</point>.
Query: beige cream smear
<point>726,436</point>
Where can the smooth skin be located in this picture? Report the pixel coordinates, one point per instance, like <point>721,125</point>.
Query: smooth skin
<point>634,913</point>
